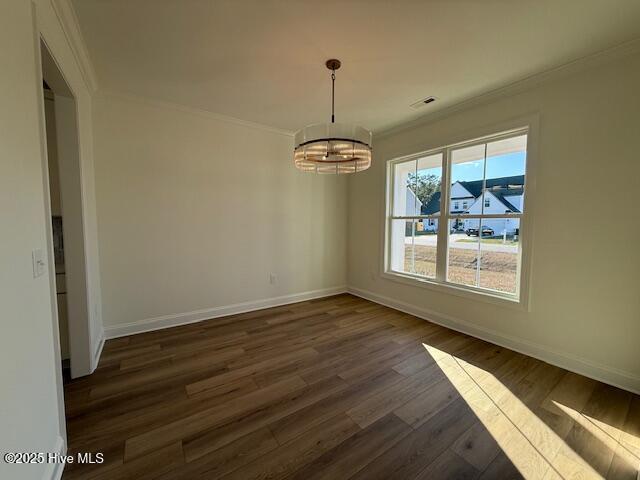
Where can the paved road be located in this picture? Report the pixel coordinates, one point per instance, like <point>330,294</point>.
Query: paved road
<point>430,240</point>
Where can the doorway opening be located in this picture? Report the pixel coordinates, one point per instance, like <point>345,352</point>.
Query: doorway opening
<point>67,252</point>
<point>57,229</point>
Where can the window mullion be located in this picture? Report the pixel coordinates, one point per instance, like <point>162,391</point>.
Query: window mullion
<point>443,222</point>
<point>483,198</point>
<point>485,215</point>
<point>415,217</point>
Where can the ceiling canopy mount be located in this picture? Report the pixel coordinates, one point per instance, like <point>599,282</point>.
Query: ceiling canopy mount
<point>333,64</point>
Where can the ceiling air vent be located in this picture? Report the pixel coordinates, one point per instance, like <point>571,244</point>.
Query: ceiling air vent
<point>423,103</point>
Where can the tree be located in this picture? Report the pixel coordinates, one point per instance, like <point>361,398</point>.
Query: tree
<point>423,186</point>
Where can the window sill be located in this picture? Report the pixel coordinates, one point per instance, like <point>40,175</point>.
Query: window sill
<point>470,293</point>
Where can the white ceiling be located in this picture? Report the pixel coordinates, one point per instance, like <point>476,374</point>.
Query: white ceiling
<point>263,60</point>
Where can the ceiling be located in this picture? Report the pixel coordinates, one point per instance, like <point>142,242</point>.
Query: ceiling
<point>263,60</point>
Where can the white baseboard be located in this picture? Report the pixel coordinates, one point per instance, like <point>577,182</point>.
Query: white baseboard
<point>54,470</point>
<point>97,351</point>
<point>582,366</point>
<point>602,373</point>
<point>167,321</point>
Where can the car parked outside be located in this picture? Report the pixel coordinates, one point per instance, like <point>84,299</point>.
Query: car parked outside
<point>473,232</point>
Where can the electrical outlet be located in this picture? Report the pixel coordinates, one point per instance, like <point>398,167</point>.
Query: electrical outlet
<point>39,265</point>
<point>273,278</point>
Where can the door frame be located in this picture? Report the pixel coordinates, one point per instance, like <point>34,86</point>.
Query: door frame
<point>71,187</point>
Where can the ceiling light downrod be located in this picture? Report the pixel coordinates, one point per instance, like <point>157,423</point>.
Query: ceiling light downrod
<point>332,147</point>
<point>333,65</point>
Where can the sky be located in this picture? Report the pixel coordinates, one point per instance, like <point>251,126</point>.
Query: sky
<point>497,166</point>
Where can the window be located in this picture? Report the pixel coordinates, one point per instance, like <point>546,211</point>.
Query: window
<point>416,180</point>
<point>477,249</point>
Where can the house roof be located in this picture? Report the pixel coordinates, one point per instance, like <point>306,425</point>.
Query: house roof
<point>500,187</point>
<point>433,205</point>
<point>475,187</point>
<point>501,194</point>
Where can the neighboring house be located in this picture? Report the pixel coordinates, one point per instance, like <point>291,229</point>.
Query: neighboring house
<point>414,205</point>
<point>501,195</point>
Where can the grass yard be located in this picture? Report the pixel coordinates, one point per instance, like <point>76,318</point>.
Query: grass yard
<point>498,270</point>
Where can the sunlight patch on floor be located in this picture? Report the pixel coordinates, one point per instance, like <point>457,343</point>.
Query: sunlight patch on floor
<point>533,447</point>
<point>613,438</point>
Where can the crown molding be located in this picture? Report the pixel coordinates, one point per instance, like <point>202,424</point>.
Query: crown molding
<point>153,102</point>
<point>519,86</point>
<point>67,17</point>
<point>69,21</point>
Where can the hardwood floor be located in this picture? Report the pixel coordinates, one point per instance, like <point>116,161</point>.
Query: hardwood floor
<point>341,388</point>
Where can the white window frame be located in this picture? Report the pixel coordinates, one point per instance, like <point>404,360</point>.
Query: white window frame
<point>519,300</point>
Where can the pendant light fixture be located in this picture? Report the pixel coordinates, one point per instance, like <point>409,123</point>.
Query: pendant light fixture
<point>332,147</point>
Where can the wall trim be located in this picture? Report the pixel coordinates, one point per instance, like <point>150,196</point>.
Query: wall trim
<point>54,470</point>
<point>575,66</point>
<point>71,28</point>
<point>603,373</point>
<point>157,103</point>
<point>97,352</point>
<point>174,320</point>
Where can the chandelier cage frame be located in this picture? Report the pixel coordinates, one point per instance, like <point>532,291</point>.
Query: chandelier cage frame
<point>333,147</point>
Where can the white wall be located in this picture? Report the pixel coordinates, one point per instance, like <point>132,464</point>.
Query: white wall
<point>195,212</point>
<point>29,409</point>
<point>31,412</point>
<point>459,192</point>
<point>585,305</point>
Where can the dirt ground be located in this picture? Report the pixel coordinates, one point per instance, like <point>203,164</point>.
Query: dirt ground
<point>498,270</point>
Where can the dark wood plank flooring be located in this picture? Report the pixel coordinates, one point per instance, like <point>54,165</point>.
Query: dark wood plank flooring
<point>341,388</point>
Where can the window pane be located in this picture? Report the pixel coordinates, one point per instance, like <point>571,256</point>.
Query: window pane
<point>463,252</point>
<point>506,161</point>
<point>499,255</point>
<point>425,247</point>
<point>467,174</point>
<point>401,246</point>
<point>427,184</point>
<point>404,186</point>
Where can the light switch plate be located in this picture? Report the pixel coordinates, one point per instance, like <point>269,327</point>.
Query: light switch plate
<point>39,265</point>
